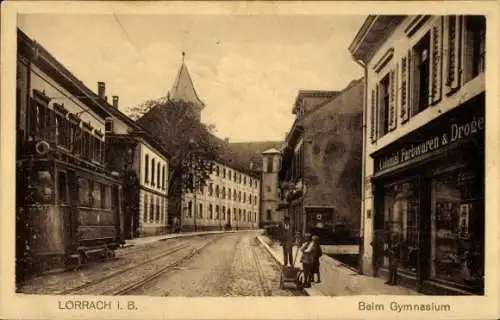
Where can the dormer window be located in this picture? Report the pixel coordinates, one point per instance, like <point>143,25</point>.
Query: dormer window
<point>109,125</point>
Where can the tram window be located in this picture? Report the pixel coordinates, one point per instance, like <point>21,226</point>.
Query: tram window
<point>96,195</point>
<point>62,187</point>
<point>83,191</point>
<point>106,197</point>
<point>45,186</point>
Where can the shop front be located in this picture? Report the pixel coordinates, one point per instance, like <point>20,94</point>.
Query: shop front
<point>429,197</point>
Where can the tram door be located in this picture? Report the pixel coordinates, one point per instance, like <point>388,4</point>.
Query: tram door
<point>63,202</point>
<point>72,182</point>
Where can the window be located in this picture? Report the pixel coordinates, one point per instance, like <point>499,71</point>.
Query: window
<point>163,177</point>
<point>457,227</point>
<point>229,174</point>
<point>245,180</point>
<point>153,172</point>
<point>475,40</point>
<point>200,211</point>
<point>109,125</point>
<point>62,188</point>
<point>223,213</point>
<point>151,209</point>
<point>211,189</point>
<point>216,212</point>
<point>250,199</point>
<point>223,193</point>
<point>234,195</point>
<point>402,220</point>
<point>145,214</point>
<point>223,172</point>
<point>216,191</point>
<point>420,74</point>
<point>190,209</point>
<point>146,169</point>
<point>162,210</point>
<point>244,197</point>
<point>269,165</point>
<point>201,189</point>
<point>229,193</point>
<point>384,105</point>
<point>217,170</point>
<point>158,184</point>
<point>83,192</point>
<point>268,214</point>
<point>239,196</point>
<point>268,188</point>
<point>62,134</point>
<point>157,210</point>
<point>96,195</point>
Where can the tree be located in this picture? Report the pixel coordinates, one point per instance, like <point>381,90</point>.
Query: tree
<point>192,146</point>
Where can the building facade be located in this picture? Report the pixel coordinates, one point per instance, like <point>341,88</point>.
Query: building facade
<point>424,149</point>
<point>230,201</point>
<point>271,162</point>
<point>143,164</point>
<point>321,165</point>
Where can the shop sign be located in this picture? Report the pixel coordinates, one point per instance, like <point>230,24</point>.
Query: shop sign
<point>454,133</point>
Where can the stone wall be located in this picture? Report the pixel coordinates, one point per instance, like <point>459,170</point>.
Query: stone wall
<point>333,155</point>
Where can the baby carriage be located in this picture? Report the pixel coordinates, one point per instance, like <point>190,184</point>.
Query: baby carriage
<point>291,274</point>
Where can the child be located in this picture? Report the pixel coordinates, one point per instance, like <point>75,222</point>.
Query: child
<point>317,253</point>
<point>307,259</point>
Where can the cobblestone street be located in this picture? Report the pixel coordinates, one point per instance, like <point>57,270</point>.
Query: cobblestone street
<point>232,264</point>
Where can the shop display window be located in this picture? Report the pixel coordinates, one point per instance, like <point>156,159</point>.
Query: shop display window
<point>402,219</point>
<point>457,227</point>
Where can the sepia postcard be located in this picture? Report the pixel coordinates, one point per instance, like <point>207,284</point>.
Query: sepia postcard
<point>249,160</point>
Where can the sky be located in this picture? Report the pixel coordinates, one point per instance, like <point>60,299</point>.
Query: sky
<point>247,69</point>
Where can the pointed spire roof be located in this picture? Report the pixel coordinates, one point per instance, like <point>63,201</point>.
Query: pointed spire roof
<point>183,87</point>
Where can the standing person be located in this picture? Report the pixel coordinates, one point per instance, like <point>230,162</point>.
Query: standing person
<point>307,259</point>
<point>317,253</point>
<point>394,255</point>
<point>287,242</point>
<point>176,224</point>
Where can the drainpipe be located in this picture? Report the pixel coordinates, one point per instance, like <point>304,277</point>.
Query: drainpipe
<point>363,157</point>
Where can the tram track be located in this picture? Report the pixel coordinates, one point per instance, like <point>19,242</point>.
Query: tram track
<point>260,273</point>
<point>128,290</point>
<point>87,285</point>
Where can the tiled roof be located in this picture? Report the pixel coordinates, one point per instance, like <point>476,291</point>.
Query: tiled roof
<point>183,88</point>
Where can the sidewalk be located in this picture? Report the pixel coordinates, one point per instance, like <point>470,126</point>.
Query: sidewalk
<point>163,237</point>
<point>336,279</point>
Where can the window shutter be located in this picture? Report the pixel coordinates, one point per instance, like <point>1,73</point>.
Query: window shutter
<point>373,116</point>
<point>405,87</point>
<point>436,61</point>
<point>392,99</point>
<point>453,61</point>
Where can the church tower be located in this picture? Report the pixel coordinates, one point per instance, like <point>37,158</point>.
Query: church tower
<point>183,90</point>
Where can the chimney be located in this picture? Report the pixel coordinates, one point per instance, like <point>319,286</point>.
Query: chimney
<point>101,89</point>
<point>115,102</point>
<point>226,140</point>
